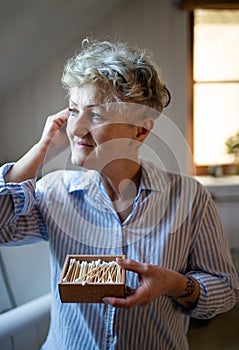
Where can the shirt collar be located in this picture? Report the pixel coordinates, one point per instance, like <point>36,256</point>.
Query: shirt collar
<point>76,180</point>
<point>152,178</point>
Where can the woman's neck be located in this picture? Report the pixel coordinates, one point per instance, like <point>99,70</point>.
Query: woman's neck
<point>119,179</point>
<point>121,182</point>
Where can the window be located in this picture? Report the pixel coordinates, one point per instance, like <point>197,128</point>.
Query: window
<point>215,84</point>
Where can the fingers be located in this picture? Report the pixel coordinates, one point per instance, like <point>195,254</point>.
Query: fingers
<point>132,265</point>
<point>63,114</point>
<point>141,296</point>
<point>55,122</point>
<point>60,118</point>
<point>135,298</point>
<point>54,139</point>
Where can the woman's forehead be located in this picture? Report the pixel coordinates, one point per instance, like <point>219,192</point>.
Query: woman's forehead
<point>88,94</point>
<point>97,95</point>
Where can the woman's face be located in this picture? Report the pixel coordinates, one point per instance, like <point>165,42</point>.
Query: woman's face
<point>98,132</point>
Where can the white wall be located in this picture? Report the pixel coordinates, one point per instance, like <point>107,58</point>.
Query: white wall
<point>157,25</point>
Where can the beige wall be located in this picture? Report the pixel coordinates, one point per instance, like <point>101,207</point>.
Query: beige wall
<point>157,25</point>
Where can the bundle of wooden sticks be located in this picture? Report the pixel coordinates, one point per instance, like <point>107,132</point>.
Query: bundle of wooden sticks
<point>93,272</point>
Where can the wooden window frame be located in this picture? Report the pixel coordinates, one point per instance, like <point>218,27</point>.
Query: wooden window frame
<point>201,169</point>
<point>191,5</point>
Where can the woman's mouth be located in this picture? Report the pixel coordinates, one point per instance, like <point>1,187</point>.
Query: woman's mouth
<point>83,145</point>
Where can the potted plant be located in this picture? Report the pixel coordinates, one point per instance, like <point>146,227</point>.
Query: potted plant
<point>232,144</point>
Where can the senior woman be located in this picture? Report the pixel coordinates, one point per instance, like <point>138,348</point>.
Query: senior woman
<point>178,262</point>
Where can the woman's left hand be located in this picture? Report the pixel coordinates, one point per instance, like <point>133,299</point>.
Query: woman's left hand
<point>152,281</point>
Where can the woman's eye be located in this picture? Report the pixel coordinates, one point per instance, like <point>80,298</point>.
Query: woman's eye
<point>95,117</point>
<point>73,112</point>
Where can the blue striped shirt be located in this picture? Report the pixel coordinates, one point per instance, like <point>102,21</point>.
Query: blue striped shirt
<point>173,224</point>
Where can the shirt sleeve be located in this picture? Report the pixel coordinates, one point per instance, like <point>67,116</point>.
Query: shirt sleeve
<point>211,265</point>
<point>20,219</point>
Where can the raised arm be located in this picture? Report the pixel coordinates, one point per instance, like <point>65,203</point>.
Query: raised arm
<point>53,141</point>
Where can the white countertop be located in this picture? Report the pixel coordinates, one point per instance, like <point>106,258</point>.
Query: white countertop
<point>224,188</point>
<point>232,180</point>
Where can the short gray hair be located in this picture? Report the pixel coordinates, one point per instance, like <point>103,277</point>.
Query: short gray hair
<point>130,73</point>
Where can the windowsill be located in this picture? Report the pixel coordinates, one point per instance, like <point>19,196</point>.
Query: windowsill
<point>232,180</point>
<point>225,188</point>
<point>227,170</point>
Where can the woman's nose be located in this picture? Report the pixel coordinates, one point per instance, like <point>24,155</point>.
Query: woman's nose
<point>80,126</point>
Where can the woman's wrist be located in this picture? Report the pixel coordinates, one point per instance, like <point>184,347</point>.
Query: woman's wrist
<point>183,289</point>
<point>28,166</point>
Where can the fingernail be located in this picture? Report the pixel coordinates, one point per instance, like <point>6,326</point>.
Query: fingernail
<point>105,300</point>
<point>119,260</point>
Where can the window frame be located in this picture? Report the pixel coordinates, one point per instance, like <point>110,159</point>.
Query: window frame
<point>200,169</point>
<point>191,5</point>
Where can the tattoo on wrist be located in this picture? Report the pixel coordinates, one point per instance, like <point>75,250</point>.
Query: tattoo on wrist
<point>189,289</point>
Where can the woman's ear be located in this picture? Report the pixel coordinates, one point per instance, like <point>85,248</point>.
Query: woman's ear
<point>144,129</point>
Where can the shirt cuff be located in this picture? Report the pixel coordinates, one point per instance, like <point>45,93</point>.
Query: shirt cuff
<point>23,193</point>
<point>215,296</point>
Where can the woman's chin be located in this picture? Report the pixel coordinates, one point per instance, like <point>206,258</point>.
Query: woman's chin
<point>84,162</point>
<point>77,161</point>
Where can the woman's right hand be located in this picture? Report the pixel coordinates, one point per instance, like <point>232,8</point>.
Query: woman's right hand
<point>53,141</point>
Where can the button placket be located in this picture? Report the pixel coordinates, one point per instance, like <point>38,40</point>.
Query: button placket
<point>109,339</point>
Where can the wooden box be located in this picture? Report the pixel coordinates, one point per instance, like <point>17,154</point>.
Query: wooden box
<point>76,292</point>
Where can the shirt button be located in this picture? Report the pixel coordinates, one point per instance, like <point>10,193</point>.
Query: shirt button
<point>111,338</point>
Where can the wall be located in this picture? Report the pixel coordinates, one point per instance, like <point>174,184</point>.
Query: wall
<point>157,25</point>
<point>225,192</point>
